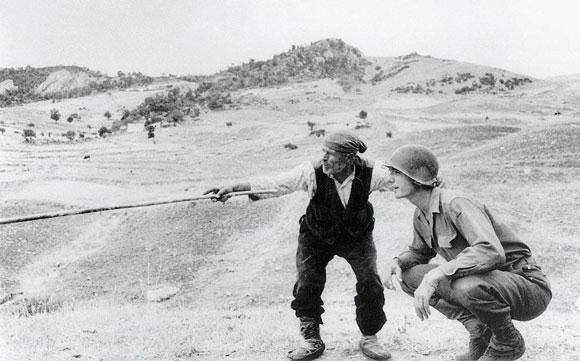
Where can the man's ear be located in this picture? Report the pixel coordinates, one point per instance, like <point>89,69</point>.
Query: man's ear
<point>350,157</point>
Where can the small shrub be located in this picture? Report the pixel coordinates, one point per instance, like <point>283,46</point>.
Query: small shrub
<point>389,134</point>
<point>72,117</point>
<point>380,76</point>
<point>107,115</point>
<point>229,124</point>
<point>318,132</point>
<point>362,126</point>
<point>125,114</point>
<point>311,125</point>
<point>446,79</point>
<point>461,77</point>
<point>488,79</point>
<point>54,115</point>
<point>103,131</point>
<point>2,130</point>
<point>290,146</point>
<point>28,307</point>
<point>28,134</point>
<point>412,88</point>
<point>176,116</point>
<point>70,135</point>
<point>464,90</point>
<point>362,114</point>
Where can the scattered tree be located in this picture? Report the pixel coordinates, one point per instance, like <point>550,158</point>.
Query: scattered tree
<point>70,135</point>
<point>108,115</point>
<point>28,135</point>
<point>150,131</point>
<point>72,117</point>
<point>103,131</point>
<point>54,115</point>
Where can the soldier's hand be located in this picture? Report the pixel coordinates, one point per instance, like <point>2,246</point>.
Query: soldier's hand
<point>425,291</point>
<point>394,270</point>
<point>422,295</point>
<point>221,193</point>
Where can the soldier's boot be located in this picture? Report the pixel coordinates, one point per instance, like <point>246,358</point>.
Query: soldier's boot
<point>371,348</point>
<point>507,344</point>
<point>312,346</point>
<point>479,336</point>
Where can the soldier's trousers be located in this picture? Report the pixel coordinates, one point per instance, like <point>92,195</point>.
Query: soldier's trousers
<point>495,298</point>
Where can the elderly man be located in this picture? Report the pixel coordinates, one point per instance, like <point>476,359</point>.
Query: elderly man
<point>489,276</point>
<point>338,222</point>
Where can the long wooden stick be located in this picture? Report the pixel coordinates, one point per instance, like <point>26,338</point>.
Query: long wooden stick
<point>35,217</point>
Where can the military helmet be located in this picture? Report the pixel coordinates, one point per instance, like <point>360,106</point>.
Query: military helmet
<point>416,162</point>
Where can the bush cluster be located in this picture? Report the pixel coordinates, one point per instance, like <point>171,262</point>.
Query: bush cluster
<point>413,88</point>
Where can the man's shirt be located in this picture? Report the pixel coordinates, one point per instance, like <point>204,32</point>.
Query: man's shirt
<point>465,234</point>
<point>303,178</point>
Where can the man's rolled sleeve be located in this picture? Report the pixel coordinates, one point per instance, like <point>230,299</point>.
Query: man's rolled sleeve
<point>485,252</point>
<point>299,178</point>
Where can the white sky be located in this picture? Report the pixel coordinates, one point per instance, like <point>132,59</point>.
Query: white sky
<point>534,37</point>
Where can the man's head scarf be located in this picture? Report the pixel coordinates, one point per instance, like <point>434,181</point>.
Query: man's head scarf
<point>344,141</point>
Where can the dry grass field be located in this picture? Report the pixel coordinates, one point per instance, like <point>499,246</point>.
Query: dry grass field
<point>82,285</point>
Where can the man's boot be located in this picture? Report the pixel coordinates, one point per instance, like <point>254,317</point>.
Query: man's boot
<point>312,346</point>
<point>479,336</point>
<point>506,344</point>
<point>370,347</point>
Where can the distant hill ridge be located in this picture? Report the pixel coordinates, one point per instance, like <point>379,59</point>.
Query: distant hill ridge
<point>30,84</point>
<point>334,59</point>
<point>328,58</point>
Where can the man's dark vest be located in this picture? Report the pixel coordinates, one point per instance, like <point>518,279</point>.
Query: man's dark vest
<point>327,219</point>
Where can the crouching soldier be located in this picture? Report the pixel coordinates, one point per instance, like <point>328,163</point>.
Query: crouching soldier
<point>489,277</point>
<point>338,222</point>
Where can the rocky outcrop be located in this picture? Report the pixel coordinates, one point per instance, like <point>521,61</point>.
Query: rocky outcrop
<point>63,81</point>
<point>7,85</point>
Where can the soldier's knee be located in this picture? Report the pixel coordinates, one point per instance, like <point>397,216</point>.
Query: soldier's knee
<point>407,284</point>
<point>467,289</point>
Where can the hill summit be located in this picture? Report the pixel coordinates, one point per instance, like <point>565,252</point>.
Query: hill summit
<point>327,58</point>
<point>334,59</point>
